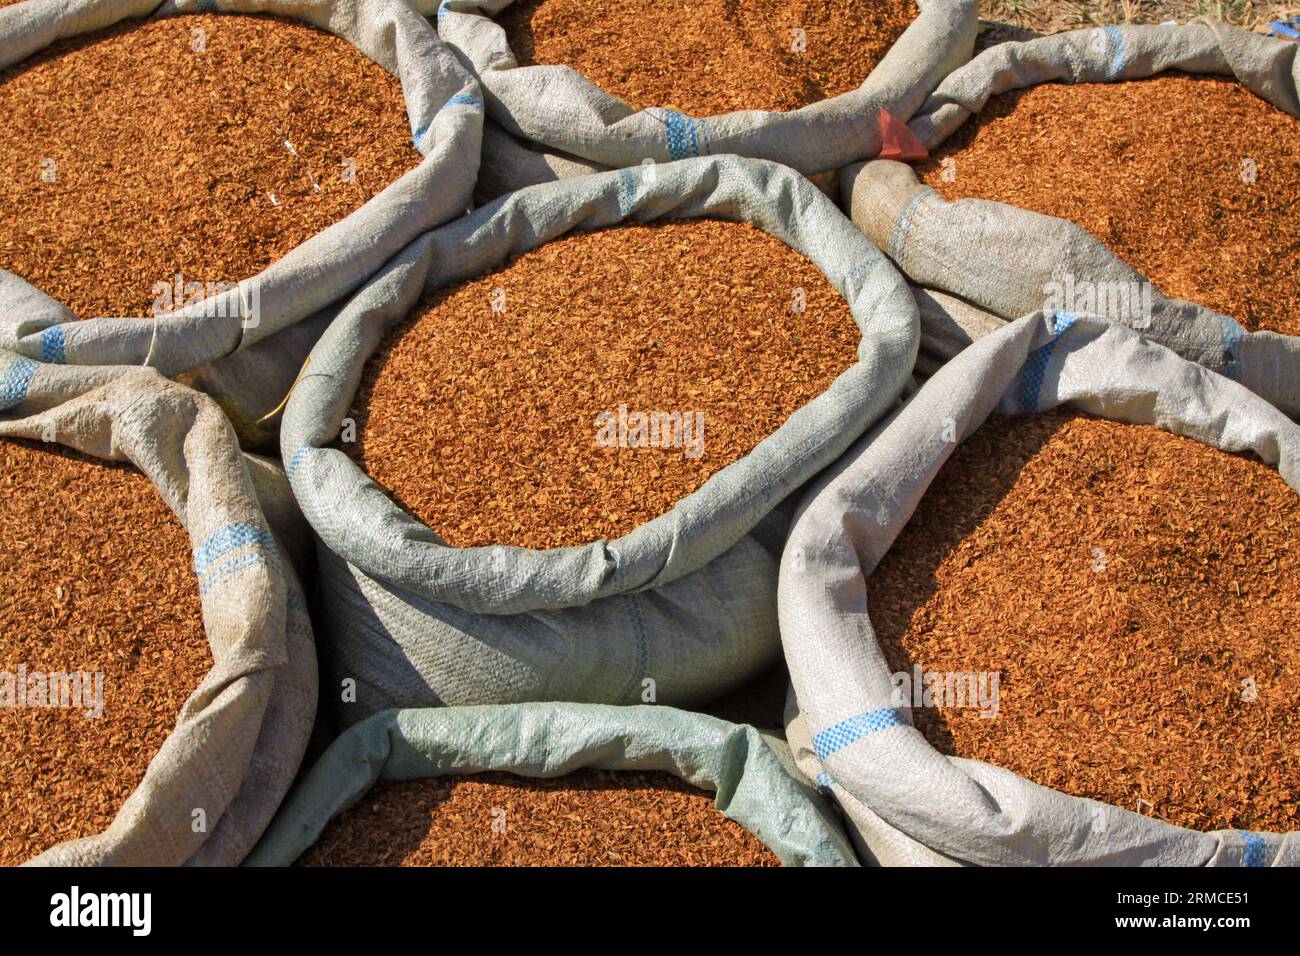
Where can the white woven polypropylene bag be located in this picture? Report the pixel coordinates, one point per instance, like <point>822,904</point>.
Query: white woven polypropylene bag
<point>1004,260</point>
<point>687,599</point>
<point>559,108</point>
<point>241,735</point>
<point>910,803</point>
<point>445,108</point>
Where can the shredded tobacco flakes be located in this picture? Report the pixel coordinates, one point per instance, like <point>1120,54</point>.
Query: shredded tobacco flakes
<point>711,56</point>
<point>487,425</point>
<point>587,818</point>
<point>158,148</point>
<point>97,578</point>
<point>1136,591</point>
<point>1159,170</point>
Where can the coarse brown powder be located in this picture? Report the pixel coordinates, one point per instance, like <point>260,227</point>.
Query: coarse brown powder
<point>167,159</point>
<point>1137,593</point>
<point>97,578</point>
<point>587,818</point>
<point>1157,170</point>
<point>711,56</point>
<point>483,423</point>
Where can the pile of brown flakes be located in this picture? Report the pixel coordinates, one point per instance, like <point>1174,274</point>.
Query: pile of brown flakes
<point>1137,592</point>
<point>97,578</point>
<point>484,424</point>
<point>711,56</point>
<point>158,148</point>
<point>1159,171</point>
<point>588,818</point>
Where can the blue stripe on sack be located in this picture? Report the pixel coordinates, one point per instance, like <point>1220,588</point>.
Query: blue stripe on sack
<point>295,601</point>
<point>1230,360</point>
<point>626,187</point>
<point>1035,367</point>
<point>464,99</point>
<point>683,138</point>
<point>853,729</point>
<point>1254,849</point>
<point>442,9</point>
<point>903,225</point>
<point>1118,53</point>
<point>221,573</point>
<point>14,383</point>
<point>824,780</point>
<point>231,550</point>
<point>419,135</point>
<point>296,460</point>
<point>861,269</point>
<point>53,345</point>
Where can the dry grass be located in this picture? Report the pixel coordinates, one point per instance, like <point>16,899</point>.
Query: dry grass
<point>1024,19</point>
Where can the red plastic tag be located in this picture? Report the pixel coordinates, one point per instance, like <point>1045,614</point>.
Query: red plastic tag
<point>897,141</point>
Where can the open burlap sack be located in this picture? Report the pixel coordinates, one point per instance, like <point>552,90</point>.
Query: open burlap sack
<point>1002,259</point>
<point>1008,261</point>
<point>1268,67</point>
<point>751,772</point>
<point>509,164</point>
<point>686,600</point>
<point>909,803</point>
<point>256,356</point>
<point>240,737</point>
<point>559,108</point>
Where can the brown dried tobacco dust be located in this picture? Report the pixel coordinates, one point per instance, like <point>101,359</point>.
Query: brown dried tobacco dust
<point>97,578</point>
<point>711,56</point>
<point>165,143</point>
<point>483,423</point>
<point>1136,590</point>
<point>1157,170</point>
<point>587,818</point>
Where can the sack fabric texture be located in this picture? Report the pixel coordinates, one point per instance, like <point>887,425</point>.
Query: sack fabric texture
<point>1003,259</point>
<point>244,344</point>
<point>751,772</point>
<point>241,735</point>
<point>909,803</point>
<point>560,109</point>
<point>686,600</point>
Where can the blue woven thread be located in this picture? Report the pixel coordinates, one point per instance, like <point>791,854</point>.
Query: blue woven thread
<point>238,545</point>
<point>221,573</point>
<point>53,345</point>
<point>853,729</point>
<point>1230,361</point>
<point>14,383</point>
<point>861,269</point>
<point>1035,368</point>
<point>464,99</point>
<point>683,138</point>
<point>1118,53</point>
<point>903,225</point>
<point>295,601</point>
<point>824,780</point>
<point>419,135</point>
<point>626,187</point>
<point>442,10</point>
<point>296,460</point>
<point>1254,849</point>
